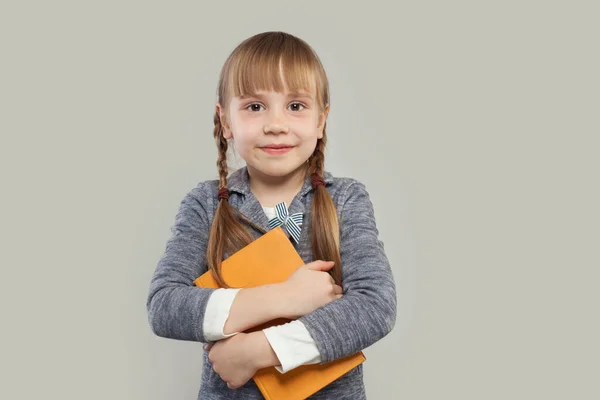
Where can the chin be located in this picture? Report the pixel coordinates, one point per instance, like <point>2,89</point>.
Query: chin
<point>277,170</point>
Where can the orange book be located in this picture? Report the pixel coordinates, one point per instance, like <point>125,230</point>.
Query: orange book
<point>272,259</point>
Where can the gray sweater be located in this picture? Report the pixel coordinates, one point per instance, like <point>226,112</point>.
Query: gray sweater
<point>365,313</point>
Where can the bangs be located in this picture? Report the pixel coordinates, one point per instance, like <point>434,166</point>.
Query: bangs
<point>275,66</point>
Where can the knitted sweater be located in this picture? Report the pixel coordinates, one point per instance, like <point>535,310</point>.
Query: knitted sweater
<point>363,315</point>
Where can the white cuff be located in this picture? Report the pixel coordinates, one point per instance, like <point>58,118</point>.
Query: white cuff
<point>293,345</point>
<point>217,312</point>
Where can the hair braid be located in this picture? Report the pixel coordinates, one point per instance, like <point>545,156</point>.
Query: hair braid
<point>222,149</point>
<point>324,222</point>
<point>227,234</point>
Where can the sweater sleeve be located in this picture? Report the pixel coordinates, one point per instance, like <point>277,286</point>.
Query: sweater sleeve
<point>175,305</point>
<point>367,310</point>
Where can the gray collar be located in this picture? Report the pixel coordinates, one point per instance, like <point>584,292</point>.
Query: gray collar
<point>239,182</point>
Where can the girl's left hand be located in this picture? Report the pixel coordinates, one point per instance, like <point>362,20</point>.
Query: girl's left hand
<point>232,360</point>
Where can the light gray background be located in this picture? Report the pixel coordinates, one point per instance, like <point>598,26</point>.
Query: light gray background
<point>473,124</point>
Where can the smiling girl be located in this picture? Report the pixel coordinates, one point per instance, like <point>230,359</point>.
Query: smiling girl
<point>272,106</point>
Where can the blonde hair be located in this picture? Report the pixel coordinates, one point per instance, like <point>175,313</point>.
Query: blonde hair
<point>271,61</point>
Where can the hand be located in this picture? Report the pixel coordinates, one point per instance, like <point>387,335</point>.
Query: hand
<point>309,288</point>
<point>232,360</point>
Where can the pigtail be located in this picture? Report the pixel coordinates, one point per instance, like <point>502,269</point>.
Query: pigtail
<point>227,234</point>
<point>324,222</point>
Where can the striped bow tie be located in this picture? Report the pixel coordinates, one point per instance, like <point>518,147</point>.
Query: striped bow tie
<point>291,223</point>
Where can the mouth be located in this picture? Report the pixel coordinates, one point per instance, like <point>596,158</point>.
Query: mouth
<point>277,148</point>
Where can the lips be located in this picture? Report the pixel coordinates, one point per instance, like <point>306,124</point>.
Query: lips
<point>277,146</point>
<point>276,149</point>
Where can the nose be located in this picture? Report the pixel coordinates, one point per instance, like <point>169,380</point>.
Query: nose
<point>275,124</point>
<point>275,128</point>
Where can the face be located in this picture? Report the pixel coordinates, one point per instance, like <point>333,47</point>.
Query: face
<point>274,132</point>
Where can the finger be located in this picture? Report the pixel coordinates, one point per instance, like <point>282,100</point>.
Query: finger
<point>208,346</point>
<point>320,265</point>
<point>337,289</point>
<point>339,296</point>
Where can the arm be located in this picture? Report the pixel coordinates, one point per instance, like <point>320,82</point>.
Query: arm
<point>176,307</point>
<point>231,311</point>
<point>237,359</point>
<point>367,310</point>
<point>291,342</point>
<point>254,306</point>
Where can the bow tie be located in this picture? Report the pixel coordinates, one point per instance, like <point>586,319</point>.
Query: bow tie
<point>291,223</point>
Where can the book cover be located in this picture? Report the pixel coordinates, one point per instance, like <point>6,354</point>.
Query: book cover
<point>272,259</point>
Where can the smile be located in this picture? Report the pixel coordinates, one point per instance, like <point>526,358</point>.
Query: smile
<point>276,150</point>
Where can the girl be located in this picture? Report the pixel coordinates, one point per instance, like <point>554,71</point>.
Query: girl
<point>273,101</point>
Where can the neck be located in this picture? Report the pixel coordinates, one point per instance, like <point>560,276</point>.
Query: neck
<point>270,190</point>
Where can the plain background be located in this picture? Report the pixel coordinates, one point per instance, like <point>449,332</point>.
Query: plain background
<point>473,124</point>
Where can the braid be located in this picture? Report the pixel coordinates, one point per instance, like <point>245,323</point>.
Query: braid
<point>227,235</point>
<point>324,221</point>
<point>222,148</point>
<point>316,161</point>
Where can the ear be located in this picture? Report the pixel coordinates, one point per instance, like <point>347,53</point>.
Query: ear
<point>322,120</point>
<point>226,130</point>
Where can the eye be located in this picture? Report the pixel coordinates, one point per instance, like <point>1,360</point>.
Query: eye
<point>253,107</point>
<point>297,106</point>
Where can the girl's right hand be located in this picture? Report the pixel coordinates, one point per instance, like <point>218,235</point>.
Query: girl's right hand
<point>309,288</point>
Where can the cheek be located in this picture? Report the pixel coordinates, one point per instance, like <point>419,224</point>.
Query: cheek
<point>249,123</point>
<point>246,132</point>
<point>245,141</point>
<point>306,128</point>
<point>241,145</point>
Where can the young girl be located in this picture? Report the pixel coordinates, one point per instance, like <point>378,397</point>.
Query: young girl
<point>273,101</point>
